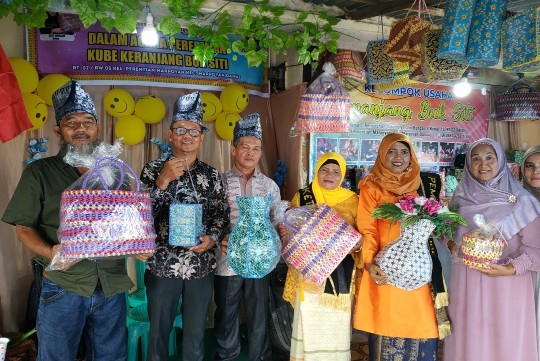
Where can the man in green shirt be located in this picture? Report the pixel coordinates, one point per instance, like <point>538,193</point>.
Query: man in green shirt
<point>90,294</point>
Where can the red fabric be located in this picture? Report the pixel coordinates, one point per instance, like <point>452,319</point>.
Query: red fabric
<point>13,117</point>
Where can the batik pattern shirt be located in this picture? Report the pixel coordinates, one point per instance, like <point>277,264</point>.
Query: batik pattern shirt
<point>176,261</point>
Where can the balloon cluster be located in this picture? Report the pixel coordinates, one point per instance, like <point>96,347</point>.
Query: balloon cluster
<point>133,116</point>
<point>36,146</point>
<point>225,110</point>
<point>36,93</point>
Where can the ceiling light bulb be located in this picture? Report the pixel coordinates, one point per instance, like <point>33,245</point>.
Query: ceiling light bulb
<point>149,34</point>
<point>462,88</point>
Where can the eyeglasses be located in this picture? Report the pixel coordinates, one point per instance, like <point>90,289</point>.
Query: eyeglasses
<point>86,124</point>
<point>183,131</point>
<point>334,174</point>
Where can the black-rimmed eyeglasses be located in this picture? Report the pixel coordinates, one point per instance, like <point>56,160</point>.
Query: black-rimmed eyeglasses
<point>183,131</point>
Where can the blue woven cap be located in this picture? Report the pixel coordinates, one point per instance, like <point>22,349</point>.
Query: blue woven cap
<point>71,98</point>
<point>189,107</point>
<point>249,126</point>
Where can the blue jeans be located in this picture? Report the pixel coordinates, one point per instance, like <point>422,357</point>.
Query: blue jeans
<point>63,315</point>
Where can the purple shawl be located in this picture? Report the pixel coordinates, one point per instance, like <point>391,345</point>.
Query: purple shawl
<point>534,191</point>
<point>502,200</point>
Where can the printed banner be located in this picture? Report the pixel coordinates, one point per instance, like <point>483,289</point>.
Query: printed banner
<point>95,56</point>
<point>440,125</point>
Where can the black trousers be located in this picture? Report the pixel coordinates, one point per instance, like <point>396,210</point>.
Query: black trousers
<point>163,297</point>
<point>227,296</point>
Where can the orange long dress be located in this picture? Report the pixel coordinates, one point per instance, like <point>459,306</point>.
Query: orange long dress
<point>387,310</point>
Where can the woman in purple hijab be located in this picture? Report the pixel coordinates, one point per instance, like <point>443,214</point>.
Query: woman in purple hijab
<point>490,308</point>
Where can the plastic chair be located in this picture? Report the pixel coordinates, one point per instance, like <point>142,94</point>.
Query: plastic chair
<point>138,297</point>
<point>138,325</point>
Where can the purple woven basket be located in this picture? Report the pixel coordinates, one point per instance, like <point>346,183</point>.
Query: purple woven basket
<point>96,223</point>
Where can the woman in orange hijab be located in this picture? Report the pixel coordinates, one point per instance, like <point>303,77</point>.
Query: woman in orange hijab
<point>401,324</point>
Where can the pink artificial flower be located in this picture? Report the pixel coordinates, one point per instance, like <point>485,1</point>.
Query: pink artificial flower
<point>406,205</point>
<point>432,206</point>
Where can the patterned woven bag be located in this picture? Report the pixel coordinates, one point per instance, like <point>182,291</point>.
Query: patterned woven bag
<point>455,31</point>
<point>185,224</point>
<point>319,245</point>
<point>405,38</point>
<point>407,260</point>
<point>185,220</point>
<point>401,77</point>
<point>415,71</point>
<point>325,106</point>
<point>484,47</point>
<point>520,102</point>
<point>254,247</point>
<point>435,68</point>
<point>349,69</point>
<point>96,223</point>
<point>380,66</point>
<point>520,42</point>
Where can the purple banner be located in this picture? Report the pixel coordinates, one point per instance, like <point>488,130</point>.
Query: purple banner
<point>95,56</point>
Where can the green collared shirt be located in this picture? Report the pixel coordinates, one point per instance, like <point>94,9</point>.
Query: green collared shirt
<point>36,204</point>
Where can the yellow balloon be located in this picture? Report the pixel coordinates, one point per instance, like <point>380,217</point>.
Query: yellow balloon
<point>36,109</point>
<point>26,74</point>
<point>150,109</point>
<point>131,128</point>
<point>211,106</point>
<point>118,103</point>
<point>225,123</point>
<point>49,84</point>
<point>234,98</point>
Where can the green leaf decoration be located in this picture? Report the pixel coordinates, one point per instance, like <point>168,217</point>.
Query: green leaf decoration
<point>259,31</point>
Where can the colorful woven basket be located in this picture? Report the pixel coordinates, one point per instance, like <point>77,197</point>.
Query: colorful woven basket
<point>479,249</point>
<point>455,31</point>
<point>349,69</point>
<point>484,47</point>
<point>380,66</point>
<point>254,247</point>
<point>321,113</point>
<point>405,38</point>
<point>96,223</point>
<point>520,102</point>
<point>401,77</point>
<point>185,224</point>
<point>520,42</point>
<point>318,246</point>
<point>435,68</point>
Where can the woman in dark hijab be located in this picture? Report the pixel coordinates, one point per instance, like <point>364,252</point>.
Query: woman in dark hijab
<point>490,308</point>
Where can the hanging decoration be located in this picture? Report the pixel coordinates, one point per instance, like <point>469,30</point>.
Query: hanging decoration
<point>36,146</point>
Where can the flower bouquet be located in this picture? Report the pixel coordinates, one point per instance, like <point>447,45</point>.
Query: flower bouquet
<point>411,209</point>
<point>407,260</point>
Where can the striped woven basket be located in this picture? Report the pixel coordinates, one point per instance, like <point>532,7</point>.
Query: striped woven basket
<point>319,246</point>
<point>322,113</point>
<point>96,223</point>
